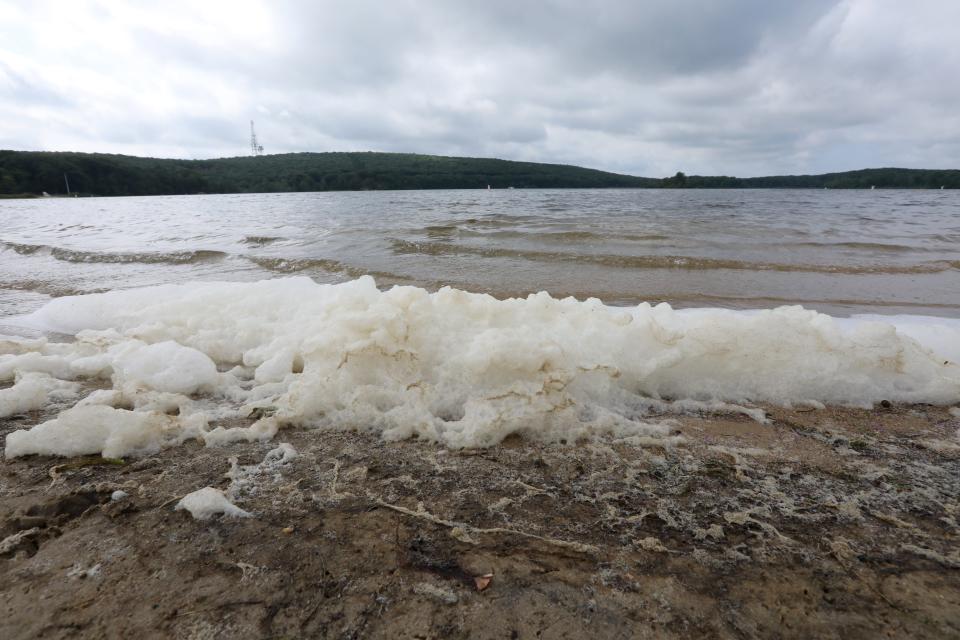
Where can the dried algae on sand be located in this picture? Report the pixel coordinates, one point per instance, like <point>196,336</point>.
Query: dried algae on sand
<point>824,523</point>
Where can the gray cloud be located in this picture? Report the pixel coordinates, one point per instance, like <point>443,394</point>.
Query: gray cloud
<point>744,87</point>
<point>637,39</point>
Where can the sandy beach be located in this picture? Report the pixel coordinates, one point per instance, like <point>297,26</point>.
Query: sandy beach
<point>833,523</point>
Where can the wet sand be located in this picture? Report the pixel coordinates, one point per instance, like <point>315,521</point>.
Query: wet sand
<point>834,523</point>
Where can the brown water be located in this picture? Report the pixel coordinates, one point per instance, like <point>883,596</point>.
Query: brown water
<point>841,252</point>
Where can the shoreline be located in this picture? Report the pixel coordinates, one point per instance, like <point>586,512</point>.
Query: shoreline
<point>824,523</point>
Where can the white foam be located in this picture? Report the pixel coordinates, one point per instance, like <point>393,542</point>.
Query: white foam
<point>33,361</point>
<point>113,433</point>
<point>462,369</point>
<point>940,335</point>
<point>34,391</point>
<point>208,502</point>
<point>164,366</point>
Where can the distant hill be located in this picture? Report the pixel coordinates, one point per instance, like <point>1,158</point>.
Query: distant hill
<point>35,172</point>
<point>117,175</point>
<point>890,178</point>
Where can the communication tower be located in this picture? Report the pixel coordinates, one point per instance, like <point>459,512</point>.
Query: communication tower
<point>255,148</point>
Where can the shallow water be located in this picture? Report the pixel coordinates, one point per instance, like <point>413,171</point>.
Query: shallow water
<point>840,252</point>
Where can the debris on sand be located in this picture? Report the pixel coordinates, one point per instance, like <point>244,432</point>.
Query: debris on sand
<point>208,502</point>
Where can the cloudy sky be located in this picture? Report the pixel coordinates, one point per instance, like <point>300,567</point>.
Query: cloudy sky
<point>648,87</point>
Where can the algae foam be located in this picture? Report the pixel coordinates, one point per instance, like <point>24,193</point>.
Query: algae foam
<point>458,368</point>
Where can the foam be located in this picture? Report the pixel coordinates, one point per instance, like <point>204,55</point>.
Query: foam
<point>33,391</point>
<point>205,503</point>
<point>461,369</point>
<point>111,432</point>
<point>942,335</point>
<point>164,366</point>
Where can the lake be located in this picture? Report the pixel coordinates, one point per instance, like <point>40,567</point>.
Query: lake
<point>840,252</point>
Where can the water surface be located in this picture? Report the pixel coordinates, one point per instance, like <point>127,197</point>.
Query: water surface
<point>841,252</point>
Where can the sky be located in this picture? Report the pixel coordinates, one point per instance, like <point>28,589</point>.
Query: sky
<point>645,87</point>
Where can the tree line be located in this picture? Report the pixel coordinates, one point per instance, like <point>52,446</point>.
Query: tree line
<point>35,172</point>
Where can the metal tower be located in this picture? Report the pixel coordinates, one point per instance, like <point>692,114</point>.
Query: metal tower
<point>256,149</point>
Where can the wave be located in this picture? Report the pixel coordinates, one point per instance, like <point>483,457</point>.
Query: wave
<point>498,220</point>
<point>867,246</point>
<point>76,255</point>
<point>578,236</point>
<point>560,237</point>
<point>297,265</point>
<point>945,237</point>
<point>260,241</point>
<point>441,231</point>
<point>52,289</point>
<point>25,249</point>
<point>458,368</point>
<point>722,205</point>
<point>662,261</point>
<point>173,257</point>
<point>755,302</point>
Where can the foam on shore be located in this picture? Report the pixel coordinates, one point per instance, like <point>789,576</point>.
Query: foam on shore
<point>462,369</point>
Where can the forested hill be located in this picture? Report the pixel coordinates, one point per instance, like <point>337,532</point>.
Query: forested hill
<point>35,172</point>
<point>116,175</point>
<point>860,179</point>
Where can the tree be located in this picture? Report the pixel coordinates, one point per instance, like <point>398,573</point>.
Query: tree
<point>7,183</point>
<point>676,182</point>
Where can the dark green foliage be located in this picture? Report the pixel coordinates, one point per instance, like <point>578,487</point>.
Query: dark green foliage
<point>30,172</point>
<point>861,179</point>
<point>115,175</point>
<point>678,181</point>
<point>865,178</point>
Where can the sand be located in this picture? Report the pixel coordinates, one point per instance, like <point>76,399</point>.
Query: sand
<point>833,523</point>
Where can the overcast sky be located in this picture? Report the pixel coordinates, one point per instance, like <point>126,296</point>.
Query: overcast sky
<point>647,87</point>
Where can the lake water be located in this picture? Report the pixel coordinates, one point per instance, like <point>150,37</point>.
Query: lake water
<point>840,252</point>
